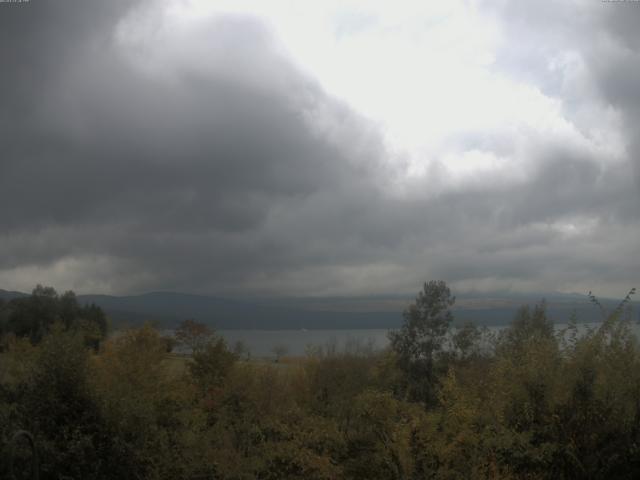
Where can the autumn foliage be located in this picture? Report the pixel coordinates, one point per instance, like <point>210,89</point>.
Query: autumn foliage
<point>532,402</point>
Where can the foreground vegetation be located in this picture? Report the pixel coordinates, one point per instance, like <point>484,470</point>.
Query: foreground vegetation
<point>443,403</point>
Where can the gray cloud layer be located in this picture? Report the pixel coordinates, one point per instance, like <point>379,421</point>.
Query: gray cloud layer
<point>226,170</point>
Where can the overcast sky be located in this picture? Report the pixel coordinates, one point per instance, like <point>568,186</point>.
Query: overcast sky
<point>320,148</point>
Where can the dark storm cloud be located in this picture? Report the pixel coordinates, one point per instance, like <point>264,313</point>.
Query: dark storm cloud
<point>109,145</point>
<point>616,66</point>
<point>175,178</point>
<point>221,168</point>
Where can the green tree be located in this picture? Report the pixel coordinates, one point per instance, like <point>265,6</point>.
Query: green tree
<point>56,404</point>
<point>4,313</point>
<point>34,316</point>
<point>378,437</point>
<point>211,363</point>
<point>466,341</point>
<point>143,405</point>
<point>422,337</point>
<point>527,326</point>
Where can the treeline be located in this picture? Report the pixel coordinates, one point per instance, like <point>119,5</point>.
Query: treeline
<point>33,316</point>
<point>441,403</point>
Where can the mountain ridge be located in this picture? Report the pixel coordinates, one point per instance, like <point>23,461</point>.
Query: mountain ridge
<point>168,308</point>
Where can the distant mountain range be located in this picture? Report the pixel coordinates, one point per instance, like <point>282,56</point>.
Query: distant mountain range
<point>166,309</point>
<point>7,295</point>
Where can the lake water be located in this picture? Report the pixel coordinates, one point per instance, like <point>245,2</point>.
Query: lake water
<point>261,343</point>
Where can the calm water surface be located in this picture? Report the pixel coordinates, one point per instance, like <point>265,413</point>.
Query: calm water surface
<point>261,343</point>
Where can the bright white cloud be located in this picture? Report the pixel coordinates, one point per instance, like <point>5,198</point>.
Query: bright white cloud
<point>422,71</point>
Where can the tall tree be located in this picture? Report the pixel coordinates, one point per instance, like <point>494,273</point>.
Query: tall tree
<point>422,337</point>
